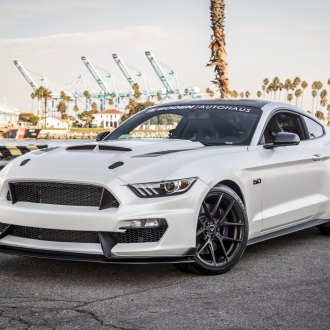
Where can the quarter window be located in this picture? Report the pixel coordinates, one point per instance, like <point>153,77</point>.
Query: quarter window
<point>315,130</point>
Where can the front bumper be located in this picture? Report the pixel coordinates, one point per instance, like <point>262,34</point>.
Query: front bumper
<point>176,245</point>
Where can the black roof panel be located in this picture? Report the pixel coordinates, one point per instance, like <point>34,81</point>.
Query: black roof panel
<point>241,102</point>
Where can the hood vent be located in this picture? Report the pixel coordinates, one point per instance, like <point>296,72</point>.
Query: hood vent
<point>115,165</point>
<point>102,147</point>
<point>24,162</point>
<point>113,148</point>
<point>82,147</point>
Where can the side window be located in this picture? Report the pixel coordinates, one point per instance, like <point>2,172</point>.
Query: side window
<point>282,122</point>
<point>315,130</point>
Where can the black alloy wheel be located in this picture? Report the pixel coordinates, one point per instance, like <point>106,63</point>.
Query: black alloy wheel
<point>222,233</point>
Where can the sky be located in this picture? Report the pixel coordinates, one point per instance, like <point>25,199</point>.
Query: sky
<point>265,38</point>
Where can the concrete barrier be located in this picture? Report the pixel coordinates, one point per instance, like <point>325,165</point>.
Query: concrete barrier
<point>7,153</point>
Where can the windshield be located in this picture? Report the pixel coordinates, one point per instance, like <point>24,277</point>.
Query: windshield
<point>208,124</point>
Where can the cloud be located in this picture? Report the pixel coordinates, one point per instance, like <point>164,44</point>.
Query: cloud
<point>133,35</point>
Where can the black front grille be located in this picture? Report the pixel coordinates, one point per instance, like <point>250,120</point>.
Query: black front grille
<point>57,235</point>
<point>3,226</point>
<point>58,193</point>
<point>140,235</point>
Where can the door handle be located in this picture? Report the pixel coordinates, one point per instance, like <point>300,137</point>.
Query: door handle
<point>316,158</point>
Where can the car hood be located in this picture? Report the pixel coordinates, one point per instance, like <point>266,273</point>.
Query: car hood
<point>131,161</point>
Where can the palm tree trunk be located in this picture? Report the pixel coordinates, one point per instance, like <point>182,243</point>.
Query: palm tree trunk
<point>45,111</point>
<point>218,53</point>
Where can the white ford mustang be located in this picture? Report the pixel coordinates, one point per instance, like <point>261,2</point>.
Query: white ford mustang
<point>190,182</point>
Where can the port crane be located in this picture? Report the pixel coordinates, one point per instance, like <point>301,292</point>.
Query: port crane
<point>43,82</point>
<point>193,92</point>
<point>140,79</point>
<point>96,76</point>
<point>160,73</point>
<point>26,75</point>
<point>107,93</point>
<point>123,68</point>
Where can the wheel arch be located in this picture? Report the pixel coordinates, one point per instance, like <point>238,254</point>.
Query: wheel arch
<point>234,186</point>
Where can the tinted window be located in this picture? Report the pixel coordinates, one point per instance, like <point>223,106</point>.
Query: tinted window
<point>315,130</point>
<point>283,122</point>
<point>208,124</point>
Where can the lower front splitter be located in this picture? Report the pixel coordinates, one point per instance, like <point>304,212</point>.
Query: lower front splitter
<point>188,257</point>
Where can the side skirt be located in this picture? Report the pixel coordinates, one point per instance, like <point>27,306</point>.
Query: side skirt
<point>286,231</point>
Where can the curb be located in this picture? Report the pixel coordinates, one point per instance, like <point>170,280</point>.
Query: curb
<point>16,151</point>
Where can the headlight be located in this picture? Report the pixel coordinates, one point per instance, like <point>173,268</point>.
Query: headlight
<point>164,188</point>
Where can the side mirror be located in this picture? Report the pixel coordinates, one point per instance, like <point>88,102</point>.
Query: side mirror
<point>284,139</point>
<point>102,135</point>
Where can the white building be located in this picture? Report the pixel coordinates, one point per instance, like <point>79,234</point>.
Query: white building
<point>8,114</point>
<point>108,118</point>
<point>53,122</point>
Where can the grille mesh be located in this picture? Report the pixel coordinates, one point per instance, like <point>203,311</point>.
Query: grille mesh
<point>57,193</point>
<point>140,235</point>
<point>57,235</point>
<point>3,226</point>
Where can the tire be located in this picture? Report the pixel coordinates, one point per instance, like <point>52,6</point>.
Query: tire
<point>221,234</point>
<point>324,229</point>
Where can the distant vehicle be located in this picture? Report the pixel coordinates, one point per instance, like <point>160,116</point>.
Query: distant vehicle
<point>190,182</point>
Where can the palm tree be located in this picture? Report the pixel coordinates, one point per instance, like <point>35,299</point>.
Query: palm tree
<point>319,86</point>
<point>265,83</point>
<point>247,94</point>
<point>44,94</point>
<point>159,97</point>
<point>290,97</point>
<point>88,97</point>
<point>324,100</point>
<point>136,91</point>
<point>287,87</point>
<point>76,110</point>
<point>296,82</point>
<point>94,107</point>
<point>234,94</point>
<point>304,85</point>
<point>280,87</point>
<point>259,94</point>
<point>275,86</point>
<point>62,106</point>
<point>328,110</point>
<point>218,53</point>
<point>314,94</point>
<point>320,115</point>
<point>297,94</point>
<point>209,91</point>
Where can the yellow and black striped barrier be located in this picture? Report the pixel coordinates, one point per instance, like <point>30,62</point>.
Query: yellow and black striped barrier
<point>7,153</point>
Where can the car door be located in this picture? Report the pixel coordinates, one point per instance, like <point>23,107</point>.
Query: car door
<point>292,175</point>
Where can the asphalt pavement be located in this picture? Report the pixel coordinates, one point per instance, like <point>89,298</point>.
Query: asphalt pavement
<point>283,283</point>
